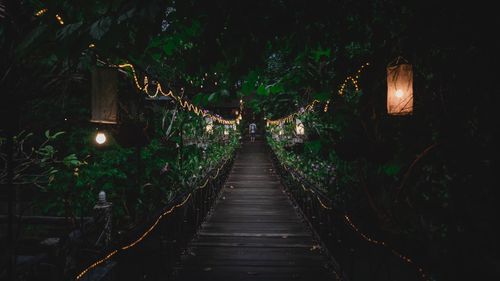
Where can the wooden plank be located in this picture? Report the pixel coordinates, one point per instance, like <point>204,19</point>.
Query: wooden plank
<point>254,232</point>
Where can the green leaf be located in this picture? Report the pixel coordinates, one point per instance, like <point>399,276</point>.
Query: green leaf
<point>261,90</point>
<point>126,16</point>
<point>212,97</point>
<point>391,169</point>
<point>100,27</point>
<point>314,147</point>
<point>277,88</point>
<point>322,96</point>
<point>71,160</point>
<point>169,47</point>
<point>68,30</point>
<point>321,53</point>
<point>31,38</point>
<point>54,136</point>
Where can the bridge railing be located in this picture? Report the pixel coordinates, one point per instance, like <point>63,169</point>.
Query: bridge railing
<point>354,254</point>
<point>151,251</point>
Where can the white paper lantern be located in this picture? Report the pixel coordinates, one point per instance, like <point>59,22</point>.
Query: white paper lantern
<point>299,127</point>
<point>209,127</point>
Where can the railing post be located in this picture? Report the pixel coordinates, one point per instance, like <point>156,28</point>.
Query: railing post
<point>103,220</point>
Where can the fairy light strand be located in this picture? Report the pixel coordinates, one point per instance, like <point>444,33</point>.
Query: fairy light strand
<point>364,236</point>
<point>59,19</point>
<point>291,117</point>
<point>158,90</point>
<point>41,12</point>
<point>384,244</point>
<point>353,80</point>
<point>152,227</point>
<point>325,109</point>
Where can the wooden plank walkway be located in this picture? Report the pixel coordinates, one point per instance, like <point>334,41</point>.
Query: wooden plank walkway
<point>254,232</point>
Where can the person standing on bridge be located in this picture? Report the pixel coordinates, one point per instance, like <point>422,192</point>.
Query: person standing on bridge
<point>252,128</point>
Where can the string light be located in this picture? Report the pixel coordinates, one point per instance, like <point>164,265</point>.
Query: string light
<point>365,237</point>
<point>41,12</point>
<point>325,109</point>
<point>384,244</point>
<point>291,117</point>
<point>152,227</point>
<point>354,80</point>
<point>183,103</point>
<point>59,19</point>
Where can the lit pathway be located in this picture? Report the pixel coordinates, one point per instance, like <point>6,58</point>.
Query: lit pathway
<point>254,233</point>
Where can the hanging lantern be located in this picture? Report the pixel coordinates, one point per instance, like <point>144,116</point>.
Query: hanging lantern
<point>209,127</point>
<point>104,95</point>
<point>299,127</point>
<point>399,88</point>
<point>226,129</point>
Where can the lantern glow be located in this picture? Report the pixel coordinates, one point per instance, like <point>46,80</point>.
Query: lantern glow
<point>400,89</point>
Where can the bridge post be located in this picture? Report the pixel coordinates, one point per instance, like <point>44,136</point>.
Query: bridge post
<point>103,220</point>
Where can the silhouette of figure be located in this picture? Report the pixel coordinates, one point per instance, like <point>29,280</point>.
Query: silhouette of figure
<point>252,128</point>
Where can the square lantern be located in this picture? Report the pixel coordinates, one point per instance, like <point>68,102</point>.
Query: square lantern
<point>299,128</point>
<point>209,127</point>
<point>281,132</point>
<point>400,89</point>
<point>226,129</point>
<point>104,95</point>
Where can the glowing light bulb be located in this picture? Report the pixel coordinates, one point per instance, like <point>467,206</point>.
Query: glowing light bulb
<point>399,93</point>
<point>41,12</point>
<point>59,19</point>
<point>100,138</point>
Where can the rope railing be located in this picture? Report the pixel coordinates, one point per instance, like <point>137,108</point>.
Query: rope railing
<point>322,215</point>
<point>215,178</point>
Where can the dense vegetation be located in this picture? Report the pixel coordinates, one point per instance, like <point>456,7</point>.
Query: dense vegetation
<point>426,179</point>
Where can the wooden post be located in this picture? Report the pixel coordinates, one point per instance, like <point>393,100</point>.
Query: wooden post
<point>103,219</point>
